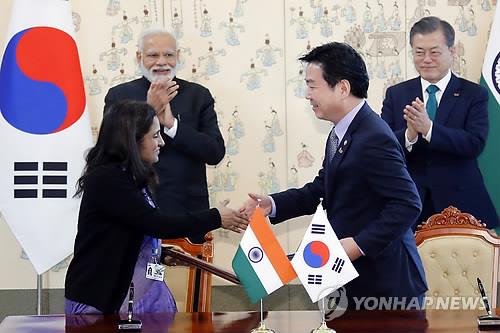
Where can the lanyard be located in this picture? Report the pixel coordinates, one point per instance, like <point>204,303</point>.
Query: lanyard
<point>155,244</point>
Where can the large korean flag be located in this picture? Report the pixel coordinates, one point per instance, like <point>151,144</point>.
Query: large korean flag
<point>44,129</point>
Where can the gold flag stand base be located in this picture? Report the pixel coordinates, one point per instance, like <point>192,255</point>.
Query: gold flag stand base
<point>262,329</point>
<point>323,329</point>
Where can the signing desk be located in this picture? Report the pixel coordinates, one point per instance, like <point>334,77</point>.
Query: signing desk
<point>240,322</point>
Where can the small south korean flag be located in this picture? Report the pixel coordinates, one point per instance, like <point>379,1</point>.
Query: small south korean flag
<point>321,263</point>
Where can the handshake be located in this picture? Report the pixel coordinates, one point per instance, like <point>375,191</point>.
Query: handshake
<point>237,220</point>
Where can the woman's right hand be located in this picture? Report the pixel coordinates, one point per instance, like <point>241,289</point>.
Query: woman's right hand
<point>232,219</point>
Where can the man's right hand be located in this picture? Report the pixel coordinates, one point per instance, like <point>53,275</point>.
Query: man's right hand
<point>255,200</point>
<point>412,132</point>
<point>160,93</point>
<point>417,118</point>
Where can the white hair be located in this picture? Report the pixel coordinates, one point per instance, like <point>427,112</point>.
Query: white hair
<point>152,32</point>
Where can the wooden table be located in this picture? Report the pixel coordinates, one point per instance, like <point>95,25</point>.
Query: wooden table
<point>240,322</point>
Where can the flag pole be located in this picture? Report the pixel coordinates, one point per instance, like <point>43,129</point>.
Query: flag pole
<point>323,328</point>
<point>261,312</point>
<point>39,294</point>
<point>262,327</point>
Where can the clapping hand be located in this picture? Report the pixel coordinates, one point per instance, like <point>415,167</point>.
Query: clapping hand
<point>416,118</point>
<point>160,93</point>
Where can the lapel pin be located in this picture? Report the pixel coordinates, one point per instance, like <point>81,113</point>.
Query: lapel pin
<point>456,94</point>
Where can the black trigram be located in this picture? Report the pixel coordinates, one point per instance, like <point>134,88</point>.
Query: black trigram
<point>314,279</point>
<point>338,265</point>
<point>54,180</point>
<point>318,229</point>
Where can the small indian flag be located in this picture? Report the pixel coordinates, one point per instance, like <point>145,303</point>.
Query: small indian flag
<point>260,262</point>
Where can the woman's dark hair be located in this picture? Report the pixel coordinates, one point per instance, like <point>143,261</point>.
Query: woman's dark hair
<point>123,127</point>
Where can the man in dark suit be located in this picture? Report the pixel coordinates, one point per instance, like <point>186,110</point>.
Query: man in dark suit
<point>189,124</point>
<point>369,197</point>
<point>442,121</point>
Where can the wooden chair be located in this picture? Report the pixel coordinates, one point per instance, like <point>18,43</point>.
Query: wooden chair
<point>191,287</point>
<point>456,249</point>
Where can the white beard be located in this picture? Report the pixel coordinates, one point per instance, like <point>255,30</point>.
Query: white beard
<point>149,74</point>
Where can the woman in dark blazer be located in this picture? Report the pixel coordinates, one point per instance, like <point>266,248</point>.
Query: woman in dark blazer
<point>119,224</point>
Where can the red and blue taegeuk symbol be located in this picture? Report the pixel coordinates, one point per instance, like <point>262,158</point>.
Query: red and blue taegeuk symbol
<point>316,254</point>
<point>42,88</point>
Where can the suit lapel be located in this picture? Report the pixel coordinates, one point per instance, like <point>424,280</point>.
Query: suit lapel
<point>344,145</point>
<point>448,100</point>
<point>414,90</point>
<point>341,151</point>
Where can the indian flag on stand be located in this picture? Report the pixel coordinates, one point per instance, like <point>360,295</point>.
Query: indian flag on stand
<point>490,78</point>
<point>260,263</point>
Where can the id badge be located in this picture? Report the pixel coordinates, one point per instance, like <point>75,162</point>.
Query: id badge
<point>155,271</point>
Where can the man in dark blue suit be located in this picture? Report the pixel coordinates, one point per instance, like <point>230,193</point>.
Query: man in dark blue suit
<point>442,121</point>
<point>369,197</point>
<point>188,124</point>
